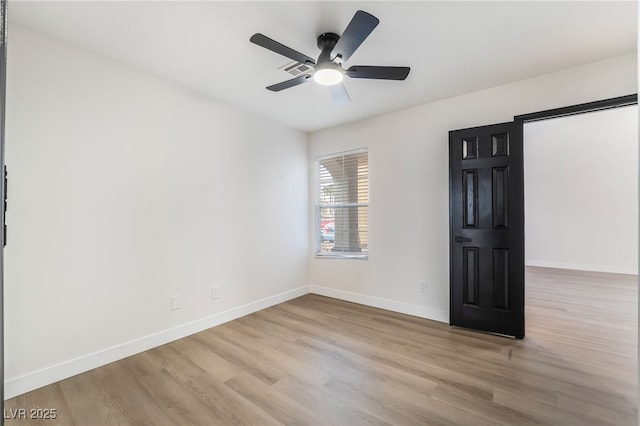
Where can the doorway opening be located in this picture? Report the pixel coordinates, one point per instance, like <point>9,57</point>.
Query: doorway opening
<point>581,247</point>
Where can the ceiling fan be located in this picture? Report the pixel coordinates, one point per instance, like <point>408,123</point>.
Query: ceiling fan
<point>327,70</point>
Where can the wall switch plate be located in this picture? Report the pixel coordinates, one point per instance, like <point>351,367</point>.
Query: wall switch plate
<point>175,302</point>
<point>215,292</point>
<point>423,286</point>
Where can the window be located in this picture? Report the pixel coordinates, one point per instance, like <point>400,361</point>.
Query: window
<point>342,204</point>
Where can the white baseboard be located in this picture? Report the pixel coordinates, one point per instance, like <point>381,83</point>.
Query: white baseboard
<point>629,270</point>
<point>55,373</point>
<point>382,303</point>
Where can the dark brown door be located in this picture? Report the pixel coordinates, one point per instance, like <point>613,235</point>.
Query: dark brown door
<point>486,208</point>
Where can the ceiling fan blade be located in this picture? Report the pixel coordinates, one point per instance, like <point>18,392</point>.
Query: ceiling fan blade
<point>381,73</point>
<point>356,32</point>
<point>339,94</point>
<point>281,49</point>
<point>289,83</point>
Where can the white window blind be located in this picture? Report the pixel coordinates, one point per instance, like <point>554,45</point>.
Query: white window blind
<point>342,218</point>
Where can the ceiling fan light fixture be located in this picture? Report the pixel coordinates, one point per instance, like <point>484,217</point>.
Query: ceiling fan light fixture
<point>328,76</point>
<point>335,49</point>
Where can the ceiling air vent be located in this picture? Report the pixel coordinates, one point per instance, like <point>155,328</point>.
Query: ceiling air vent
<point>296,68</point>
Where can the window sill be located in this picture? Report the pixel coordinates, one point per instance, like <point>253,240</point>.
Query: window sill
<point>343,256</point>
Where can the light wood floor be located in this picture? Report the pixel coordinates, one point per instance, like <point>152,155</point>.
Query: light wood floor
<point>316,361</point>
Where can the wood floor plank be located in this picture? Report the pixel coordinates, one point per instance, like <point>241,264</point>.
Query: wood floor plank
<point>279,405</point>
<point>210,362</point>
<point>543,412</point>
<point>180,403</point>
<point>245,361</point>
<point>307,372</point>
<point>89,398</point>
<point>137,405</point>
<point>331,408</point>
<point>320,361</point>
<point>229,407</point>
<point>486,409</point>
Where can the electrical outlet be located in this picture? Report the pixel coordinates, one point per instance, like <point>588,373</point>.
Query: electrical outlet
<point>175,302</point>
<point>215,292</point>
<point>423,287</point>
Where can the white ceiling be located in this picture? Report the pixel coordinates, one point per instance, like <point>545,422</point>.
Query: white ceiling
<point>451,47</point>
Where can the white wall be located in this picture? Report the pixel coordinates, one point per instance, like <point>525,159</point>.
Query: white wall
<point>409,200</point>
<point>124,191</point>
<point>581,191</point>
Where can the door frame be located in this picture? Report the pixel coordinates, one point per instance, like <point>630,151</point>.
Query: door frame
<point>601,105</point>
<point>4,30</point>
<point>620,101</point>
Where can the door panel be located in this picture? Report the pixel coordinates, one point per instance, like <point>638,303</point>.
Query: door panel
<point>487,229</point>
<point>470,191</point>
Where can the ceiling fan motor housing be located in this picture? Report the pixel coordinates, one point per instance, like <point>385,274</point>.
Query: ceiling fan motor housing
<point>327,40</point>
<point>326,43</point>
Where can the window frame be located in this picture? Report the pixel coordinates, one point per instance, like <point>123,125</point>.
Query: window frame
<point>318,207</point>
